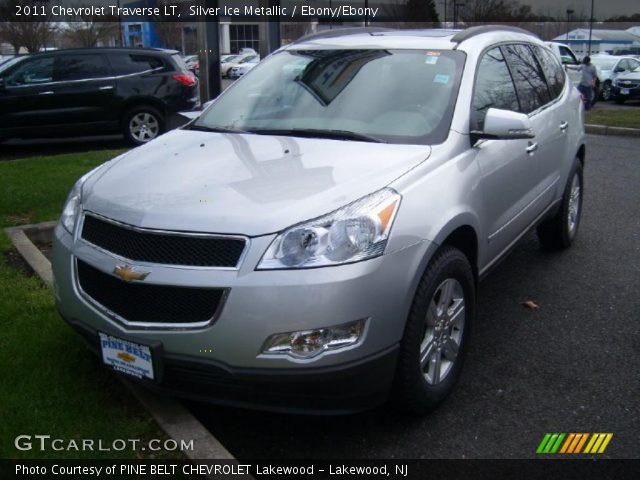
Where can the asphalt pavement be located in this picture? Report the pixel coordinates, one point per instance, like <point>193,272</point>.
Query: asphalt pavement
<point>573,365</point>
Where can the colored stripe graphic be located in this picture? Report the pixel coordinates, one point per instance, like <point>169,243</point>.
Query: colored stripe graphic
<point>543,443</point>
<point>573,443</point>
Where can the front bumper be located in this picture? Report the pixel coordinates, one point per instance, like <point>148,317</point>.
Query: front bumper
<point>632,92</point>
<point>222,362</point>
<point>340,389</point>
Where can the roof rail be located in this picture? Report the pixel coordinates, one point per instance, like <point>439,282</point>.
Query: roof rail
<point>473,31</point>
<point>340,32</point>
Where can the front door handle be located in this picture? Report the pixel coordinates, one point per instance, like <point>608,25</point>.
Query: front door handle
<point>564,126</point>
<point>107,87</point>
<point>50,92</point>
<point>532,148</point>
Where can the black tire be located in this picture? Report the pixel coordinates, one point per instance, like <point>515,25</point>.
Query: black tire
<point>155,125</point>
<point>557,233</point>
<point>606,92</point>
<point>413,392</point>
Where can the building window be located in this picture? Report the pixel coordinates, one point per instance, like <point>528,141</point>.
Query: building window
<point>243,36</point>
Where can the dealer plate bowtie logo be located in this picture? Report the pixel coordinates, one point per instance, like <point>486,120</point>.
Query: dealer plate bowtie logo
<point>573,443</point>
<point>126,357</point>
<point>129,273</point>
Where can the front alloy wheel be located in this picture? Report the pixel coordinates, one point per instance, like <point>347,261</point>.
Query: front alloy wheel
<point>606,91</point>
<point>443,334</point>
<point>436,333</point>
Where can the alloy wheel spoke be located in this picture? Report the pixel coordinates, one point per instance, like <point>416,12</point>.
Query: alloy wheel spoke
<point>436,363</point>
<point>426,353</point>
<point>455,313</point>
<point>432,313</point>
<point>446,292</point>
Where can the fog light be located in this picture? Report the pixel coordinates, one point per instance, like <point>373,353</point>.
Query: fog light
<point>309,343</point>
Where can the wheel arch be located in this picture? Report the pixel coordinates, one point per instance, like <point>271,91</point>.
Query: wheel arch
<point>582,153</point>
<point>461,232</point>
<point>143,102</point>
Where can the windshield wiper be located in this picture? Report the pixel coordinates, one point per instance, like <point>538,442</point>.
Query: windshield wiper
<point>318,133</point>
<point>204,128</point>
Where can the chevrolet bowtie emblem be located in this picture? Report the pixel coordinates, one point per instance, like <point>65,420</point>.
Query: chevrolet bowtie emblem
<point>129,274</point>
<point>126,357</point>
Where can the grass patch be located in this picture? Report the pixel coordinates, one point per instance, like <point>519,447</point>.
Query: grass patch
<point>619,117</point>
<point>51,384</point>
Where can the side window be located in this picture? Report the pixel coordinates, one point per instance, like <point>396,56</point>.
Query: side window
<point>31,72</point>
<point>530,81</point>
<point>80,67</point>
<point>127,63</point>
<point>633,64</point>
<point>493,88</point>
<point>552,70</point>
<point>567,56</point>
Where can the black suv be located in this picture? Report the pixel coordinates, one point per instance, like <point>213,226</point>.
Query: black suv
<point>94,91</point>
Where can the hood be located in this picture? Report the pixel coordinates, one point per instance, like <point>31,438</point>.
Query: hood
<point>629,76</point>
<point>242,184</point>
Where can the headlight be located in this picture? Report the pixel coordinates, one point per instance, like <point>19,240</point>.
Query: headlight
<point>73,205</point>
<point>355,232</point>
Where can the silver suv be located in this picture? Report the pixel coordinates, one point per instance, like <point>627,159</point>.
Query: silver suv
<point>313,241</point>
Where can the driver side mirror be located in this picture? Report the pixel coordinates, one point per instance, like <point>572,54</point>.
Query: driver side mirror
<point>2,85</point>
<point>618,70</point>
<point>505,125</point>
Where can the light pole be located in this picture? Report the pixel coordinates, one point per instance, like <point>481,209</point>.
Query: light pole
<point>569,13</point>
<point>445,13</point>
<point>590,27</point>
<point>456,6</point>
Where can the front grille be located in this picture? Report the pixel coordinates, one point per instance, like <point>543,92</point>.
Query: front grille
<point>155,246</point>
<point>146,303</point>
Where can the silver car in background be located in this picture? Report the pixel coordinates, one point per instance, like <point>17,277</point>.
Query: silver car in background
<point>314,240</point>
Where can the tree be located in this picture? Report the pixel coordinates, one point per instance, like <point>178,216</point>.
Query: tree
<point>170,33</point>
<point>487,11</point>
<point>33,35</point>
<point>421,11</point>
<point>91,31</point>
<point>409,13</point>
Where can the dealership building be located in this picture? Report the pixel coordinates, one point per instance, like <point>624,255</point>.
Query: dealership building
<point>602,41</point>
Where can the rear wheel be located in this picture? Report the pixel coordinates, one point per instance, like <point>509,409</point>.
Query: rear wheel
<point>142,124</point>
<point>433,347</point>
<point>559,231</point>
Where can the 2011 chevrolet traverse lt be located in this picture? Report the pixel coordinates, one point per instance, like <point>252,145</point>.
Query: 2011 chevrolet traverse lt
<point>313,241</point>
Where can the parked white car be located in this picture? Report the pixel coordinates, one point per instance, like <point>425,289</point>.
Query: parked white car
<point>609,67</point>
<point>244,66</point>
<point>568,59</point>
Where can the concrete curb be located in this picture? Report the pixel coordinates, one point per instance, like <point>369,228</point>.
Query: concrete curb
<point>606,130</point>
<point>172,416</point>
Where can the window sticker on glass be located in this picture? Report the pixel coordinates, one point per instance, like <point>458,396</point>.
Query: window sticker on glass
<point>432,58</point>
<point>440,78</point>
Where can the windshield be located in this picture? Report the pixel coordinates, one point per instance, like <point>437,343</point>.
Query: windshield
<point>604,63</point>
<point>395,96</point>
<point>11,61</point>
